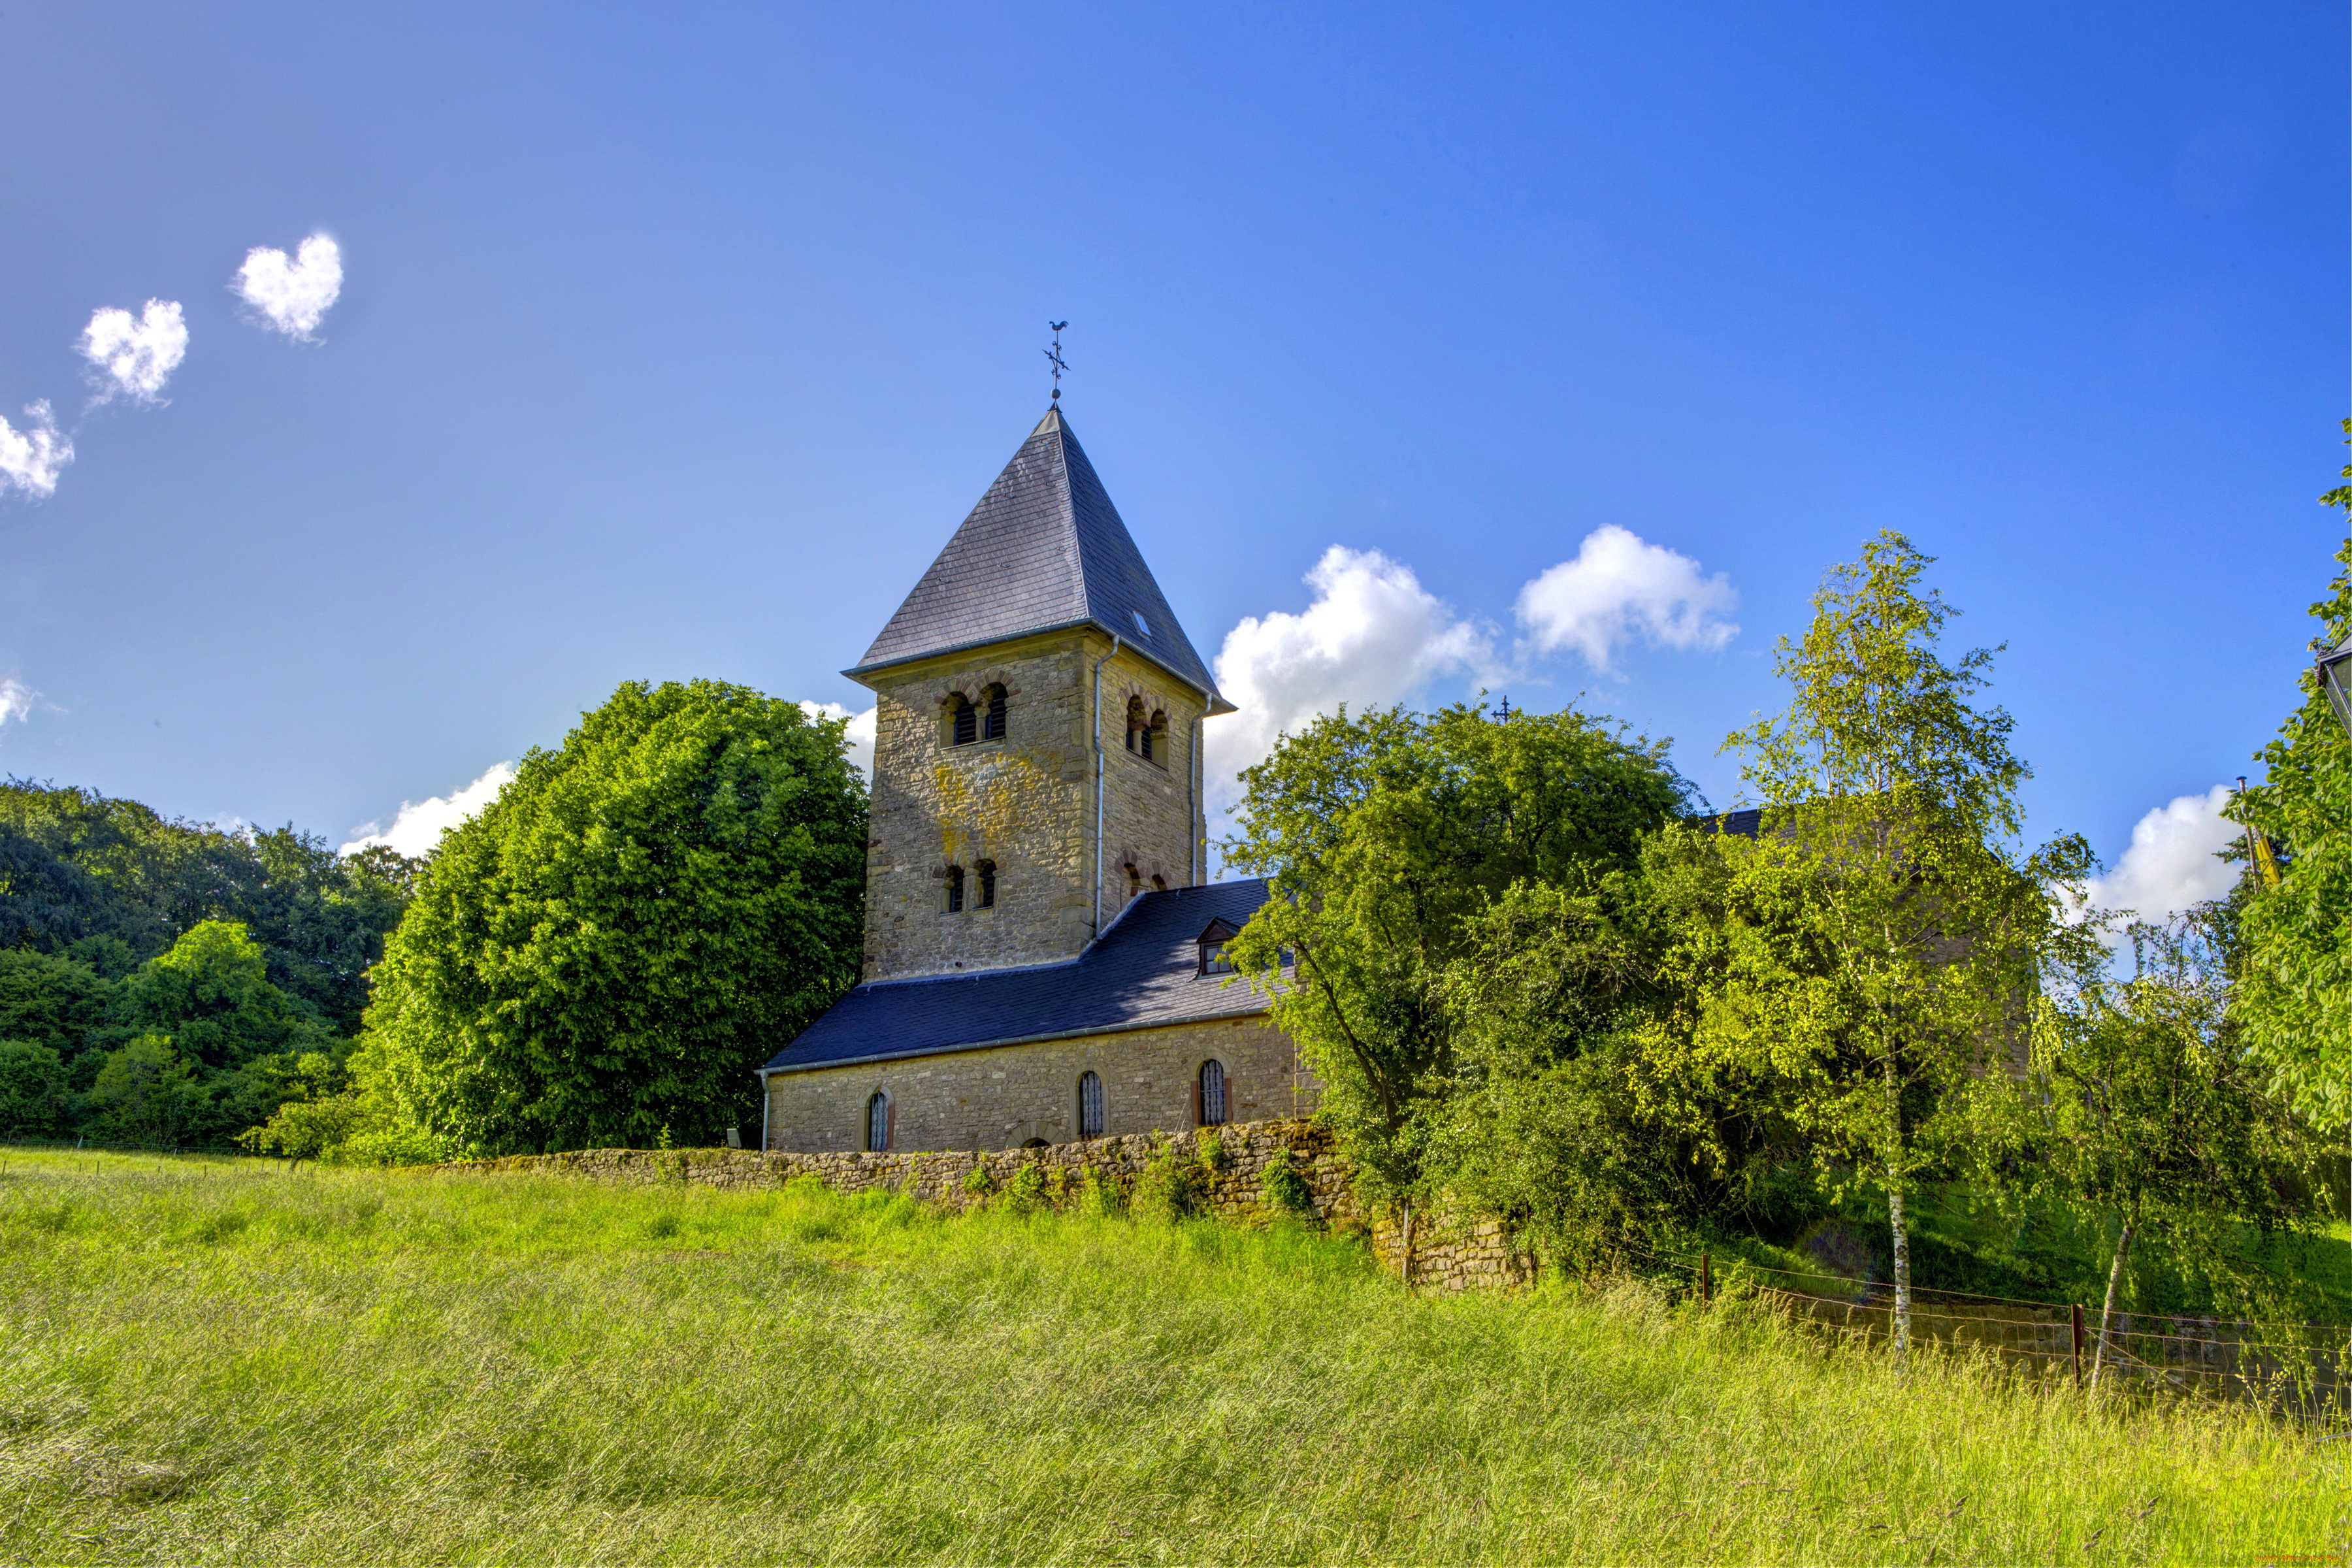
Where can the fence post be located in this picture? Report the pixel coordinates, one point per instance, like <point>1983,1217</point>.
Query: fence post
<point>1706,1279</point>
<point>2075,1314</point>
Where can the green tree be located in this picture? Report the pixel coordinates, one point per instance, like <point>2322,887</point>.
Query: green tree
<point>33,1096</point>
<point>1880,937</point>
<point>211,995</point>
<point>2158,1114</point>
<point>616,943</point>
<point>2294,998</point>
<point>53,1001</point>
<point>145,1093</point>
<point>1386,836</point>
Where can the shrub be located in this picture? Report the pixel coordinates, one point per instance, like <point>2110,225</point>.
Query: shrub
<point>1026,1191</point>
<point>1099,1197</point>
<point>1281,1189</point>
<point>1170,1190</point>
<point>979,1183</point>
<point>1212,1151</point>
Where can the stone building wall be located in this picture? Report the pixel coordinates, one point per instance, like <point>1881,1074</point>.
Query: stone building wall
<point>1026,802</point>
<point>1445,1258</point>
<point>1004,1098</point>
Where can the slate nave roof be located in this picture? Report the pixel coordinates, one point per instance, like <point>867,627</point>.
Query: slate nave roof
<point>1044,550</point>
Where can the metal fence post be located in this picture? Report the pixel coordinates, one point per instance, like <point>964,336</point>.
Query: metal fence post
<point>2075,1313</point>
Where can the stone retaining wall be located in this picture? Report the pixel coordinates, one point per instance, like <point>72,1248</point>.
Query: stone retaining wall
<point>1477,1255</point>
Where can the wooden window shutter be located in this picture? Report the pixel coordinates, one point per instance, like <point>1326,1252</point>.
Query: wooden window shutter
<point>1196,1100</point>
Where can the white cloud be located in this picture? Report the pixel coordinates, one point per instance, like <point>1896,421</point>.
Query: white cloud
<point>417,827</point>
<point>292,297</point>
<point>16,699</point>
<point>861,730</point>
<point>1373,634</point>
<point>1621,587</point>
<point>2171,864</point>
<point>136,355</point>
<point>31,458</point>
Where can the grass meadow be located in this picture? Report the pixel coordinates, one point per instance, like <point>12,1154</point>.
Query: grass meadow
<point>213,1361</point>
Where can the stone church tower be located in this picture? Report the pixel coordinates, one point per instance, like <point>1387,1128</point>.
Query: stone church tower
<point>1045,957</point>
<point>1037,732</point>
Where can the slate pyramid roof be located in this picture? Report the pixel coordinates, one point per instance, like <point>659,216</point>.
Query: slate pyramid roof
<point>1044,550</point>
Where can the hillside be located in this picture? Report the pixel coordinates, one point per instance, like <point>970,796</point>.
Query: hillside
<point>213,1361</point>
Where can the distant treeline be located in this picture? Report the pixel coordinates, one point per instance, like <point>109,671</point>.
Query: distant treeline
<point>163,980</point>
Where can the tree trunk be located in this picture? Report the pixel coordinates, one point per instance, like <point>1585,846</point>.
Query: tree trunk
<point>1404,1264</point>
<point>2107,1311</point>
<point>1895,1216</point>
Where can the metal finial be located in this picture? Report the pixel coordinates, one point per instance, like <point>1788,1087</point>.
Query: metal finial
<point>1054,357</point>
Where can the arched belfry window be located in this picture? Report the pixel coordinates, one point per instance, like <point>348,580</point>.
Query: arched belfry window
<point>955,889</point>
<point>992,714</point>
<point>881,1122</point>
<point>1090,1105</point>
<point>963,720</point>
<point>987,870</point>
<point>1138,728</point>
<point>1209,1094</point>
<point>1155,737</point>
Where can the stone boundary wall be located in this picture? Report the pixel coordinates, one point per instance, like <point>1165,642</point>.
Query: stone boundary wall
<point>1477,1255</point>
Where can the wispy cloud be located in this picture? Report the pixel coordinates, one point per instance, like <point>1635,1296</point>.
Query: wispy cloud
<point>861,730</point>
<point>291,296</point>
<point>1620,588</point>
<point>134,355</point>
<point>16,701</point>
<point>417,827</point>
<point>31,458</point>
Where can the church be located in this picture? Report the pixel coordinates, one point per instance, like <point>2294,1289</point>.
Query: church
<point>1044,953</point>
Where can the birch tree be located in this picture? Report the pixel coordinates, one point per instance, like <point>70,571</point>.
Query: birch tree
<point>1879,936</point>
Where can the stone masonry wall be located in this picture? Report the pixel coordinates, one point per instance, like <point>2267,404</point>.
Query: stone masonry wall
<point>1002,1098</point>
<point>1026,802</point>
<point>1474,1257</point>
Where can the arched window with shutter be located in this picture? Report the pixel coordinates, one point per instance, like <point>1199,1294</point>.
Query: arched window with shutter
<point>963,720</point>
<point>955,889</point>
<point>1209,1094</point>
<point>987,870</point>
<point>1139,726</point>
<point>992,714</point>
<point>1090,1105</point>
<point>880,1122</point>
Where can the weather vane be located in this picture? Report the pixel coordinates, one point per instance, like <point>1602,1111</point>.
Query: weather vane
<point>1054,358</point>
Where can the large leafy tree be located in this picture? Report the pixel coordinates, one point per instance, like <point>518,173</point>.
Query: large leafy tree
<point>2294,1002</point>
<point>1388,835</point>
<point>608,951</point>
<point>1878,941</point>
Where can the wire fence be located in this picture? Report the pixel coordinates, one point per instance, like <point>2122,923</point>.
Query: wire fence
<point>2295,1368</point>
<point>96,1145</point>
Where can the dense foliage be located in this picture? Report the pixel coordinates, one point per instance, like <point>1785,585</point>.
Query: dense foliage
<point>1536,985</point>
<point>166,982</point>
<point>2295,1000</point>
<point>609,950</point>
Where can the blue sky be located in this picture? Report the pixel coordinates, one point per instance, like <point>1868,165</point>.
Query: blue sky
<point>674,341</point>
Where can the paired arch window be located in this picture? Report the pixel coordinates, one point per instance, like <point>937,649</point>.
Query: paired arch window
<point>1147,731</point>
<point>1090,1106</point>
<point>1134,878</point>
<point>983,721</point>
<point>1209,1094</point>
<point>977,891</point>
<point>879,1123</point>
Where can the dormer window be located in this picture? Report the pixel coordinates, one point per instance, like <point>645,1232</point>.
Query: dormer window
<point>1215,958</point>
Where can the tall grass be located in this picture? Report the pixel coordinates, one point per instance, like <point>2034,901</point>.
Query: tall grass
<point>211,1361</point>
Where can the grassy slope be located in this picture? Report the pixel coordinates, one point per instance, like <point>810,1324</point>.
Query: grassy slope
<point>204,1361</point>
